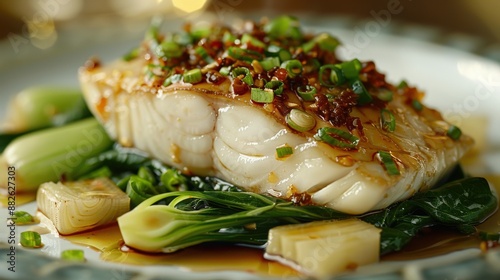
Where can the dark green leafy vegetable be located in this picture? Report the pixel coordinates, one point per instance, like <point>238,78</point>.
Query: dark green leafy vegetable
<point>458,204</point>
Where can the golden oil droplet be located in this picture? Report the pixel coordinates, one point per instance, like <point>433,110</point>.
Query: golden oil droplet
<point>175,151</point>
<point>346,160</point>
<point>272,178</point>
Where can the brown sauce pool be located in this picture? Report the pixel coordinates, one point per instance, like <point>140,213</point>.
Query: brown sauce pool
<point>108,240</point>
<point>216,257</point>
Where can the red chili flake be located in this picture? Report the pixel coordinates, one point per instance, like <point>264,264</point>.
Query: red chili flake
<point>239,87</point>
<point>373,77</point>
<point>279,103</point>
<point>215,45</point>
<point>281,74</point>
<point>337,111</point>
<point>214,77</point>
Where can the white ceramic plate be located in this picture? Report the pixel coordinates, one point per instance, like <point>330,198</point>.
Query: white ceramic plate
<point>459,84</point>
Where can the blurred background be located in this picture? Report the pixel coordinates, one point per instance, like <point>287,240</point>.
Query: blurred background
<point>470,25</point>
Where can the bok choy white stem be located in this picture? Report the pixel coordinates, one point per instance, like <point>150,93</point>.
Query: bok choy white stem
<point>46,155</point>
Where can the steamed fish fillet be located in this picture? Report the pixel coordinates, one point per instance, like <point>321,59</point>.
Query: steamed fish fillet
<point>204,129</point>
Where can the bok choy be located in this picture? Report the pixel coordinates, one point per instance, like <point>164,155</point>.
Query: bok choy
<point>175,220</point>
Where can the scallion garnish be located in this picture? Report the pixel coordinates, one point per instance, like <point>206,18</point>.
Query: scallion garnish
<point>306,92</point>
<point>247,38</point>
<point>23,218</point>
<point>192,76</point>
<point>262,95</point>
<point>244,54</point>
<point>276,86</point>
<point>202,52</point>
<point>337,138</point>
<point>131,55</point>
<point>170,49</point>
<point>312,65</point>
<point>224,71</point>
<point>325,42</point>
<point>283,27</point>
<point>284,151</point>
<point>300,120</point>
<point>385,95</point>
<point>402,84</point>
<point>388,120</point>
<point>293,67</point>
<point>275,51</point>
<point>73,255</point>
<point>228,38</point>
<point>31,239</point>
<point>417,105</point>
<point>330,75</point>
<point>269,63</point>
<point>172,80</point>
<point>389,163</point>
<point>363,96</point>
<point>200,32</point>
<point>245,72</point>
<point>454,132</point>
<point>351,69</point>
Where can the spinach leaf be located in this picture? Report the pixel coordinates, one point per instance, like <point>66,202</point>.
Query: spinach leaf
<point>459,204</point>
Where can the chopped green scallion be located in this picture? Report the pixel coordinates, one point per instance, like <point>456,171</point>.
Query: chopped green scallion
<point>276,86</point>
<point>330,75</point>
<point>389,163</point>
<point>73,255</point>
<point>228,38</point>
<point>172,80</point>
<point>202,52</point>
<point>351,69</point>
<point>293,67</point>
<point>244,54</point>
<point>224,71</point>
<point>31,239</point>
<point>249,39</point>
<point>131,55</point>
<point>325,42</point>
<point>417,105</point>
<point>170,49</point>
<point>201,32</point>
<point>363,96</point>
<point>312,65</point>
<point>283,27</point>
<point>337,138</point>
<point>402,84</point>
<point>275,51</point>
<point>270,63</point>
<point>192,76</point>
<point>245,72</point>
<point>284,151</point>
<point>300,120</point>
<point>262,95</point>
<point>385,95</point>
<point>454,132</point>
<point>23,218</point>
<point>306,92</point>
<point>388,120</point>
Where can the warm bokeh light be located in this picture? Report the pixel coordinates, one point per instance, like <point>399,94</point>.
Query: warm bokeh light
<point>189,6</point>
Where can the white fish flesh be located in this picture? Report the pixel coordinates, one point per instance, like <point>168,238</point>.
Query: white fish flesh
<point>207,128</point>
